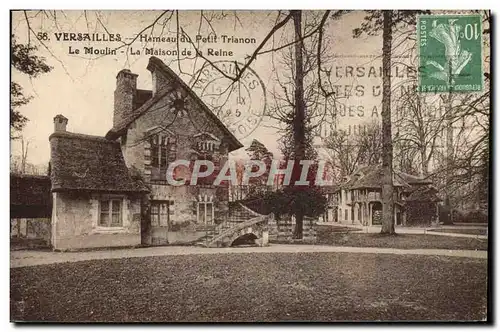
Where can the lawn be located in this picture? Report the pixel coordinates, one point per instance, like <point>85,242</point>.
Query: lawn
<point>399,241</point>
<point>473,231</point>
<point>253,287</point>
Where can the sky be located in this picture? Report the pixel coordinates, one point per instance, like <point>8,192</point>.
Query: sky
<point>81,86</point>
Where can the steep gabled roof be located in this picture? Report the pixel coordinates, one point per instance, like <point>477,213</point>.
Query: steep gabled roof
<point>330,189</point>
<point>371,177</point>
<point>154,62</point>
<point>85,162</point>
<point>359,172</point>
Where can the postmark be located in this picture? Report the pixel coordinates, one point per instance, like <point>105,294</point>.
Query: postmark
<point>239,105</point>
<point>451,49</point>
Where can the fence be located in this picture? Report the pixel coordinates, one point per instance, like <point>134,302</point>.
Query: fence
<point>30,232</point>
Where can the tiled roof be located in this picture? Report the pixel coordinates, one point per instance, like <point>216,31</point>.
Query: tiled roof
<point>330,189</point>
<point>371,176</point>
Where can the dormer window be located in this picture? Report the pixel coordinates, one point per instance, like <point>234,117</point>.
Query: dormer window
<point>206,143</point>
<point>206,146</point>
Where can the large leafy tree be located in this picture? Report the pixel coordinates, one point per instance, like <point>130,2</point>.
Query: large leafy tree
<point>23,59</point>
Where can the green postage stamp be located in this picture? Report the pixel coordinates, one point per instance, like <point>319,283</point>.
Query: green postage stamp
<point>450,53</point>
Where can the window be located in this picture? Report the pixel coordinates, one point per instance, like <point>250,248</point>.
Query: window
<point>163,152</point>
<point>110,213</point>
<point>205,210</point>
<point>345,214</point>
<point>161,213</point>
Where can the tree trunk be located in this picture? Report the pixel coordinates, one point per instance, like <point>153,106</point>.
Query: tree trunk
<point>299,132</point>
<point>24,155</point>
<point>424,162</point>
<point>449,152</point>
<point>387,185</point>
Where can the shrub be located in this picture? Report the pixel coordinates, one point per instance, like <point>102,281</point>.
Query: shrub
<point>476,216</point>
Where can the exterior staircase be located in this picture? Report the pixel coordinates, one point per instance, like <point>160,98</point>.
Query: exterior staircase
<point>241,221</point>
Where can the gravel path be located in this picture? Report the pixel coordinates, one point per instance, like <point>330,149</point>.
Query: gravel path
<point>418,230</point>
<point>31,257</point>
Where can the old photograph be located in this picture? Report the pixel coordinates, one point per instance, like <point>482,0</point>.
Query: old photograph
<point>250,166</point>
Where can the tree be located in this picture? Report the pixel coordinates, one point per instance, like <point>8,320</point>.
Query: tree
<point>386,21</point>
<point>301,101</point>
<point>461,163</point>
<point>25,61</point>
<point>383,20</point>
<point>348,152</point>
<point>421,126</point>
<point>20,164</point>
<point>471,155</point>
<point>258,151</point>
<point>387,185</point>
<point>298,124</point>
<point>465,178</point>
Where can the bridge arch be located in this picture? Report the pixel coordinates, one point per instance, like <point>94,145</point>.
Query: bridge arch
<point>245,239</point>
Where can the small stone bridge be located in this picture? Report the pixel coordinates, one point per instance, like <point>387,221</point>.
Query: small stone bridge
<point>243,224</point>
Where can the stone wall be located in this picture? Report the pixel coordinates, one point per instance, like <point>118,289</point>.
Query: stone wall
<point>75,222</point>
<point>282,230</point>
<point>161,118</point>
<point>182,128</point>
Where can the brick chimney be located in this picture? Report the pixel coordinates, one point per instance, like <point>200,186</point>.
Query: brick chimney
<point>60,123</point>
<point>126,88</point>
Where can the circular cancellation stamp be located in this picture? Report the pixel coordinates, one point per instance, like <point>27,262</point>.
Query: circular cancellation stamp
<point>239,105</point>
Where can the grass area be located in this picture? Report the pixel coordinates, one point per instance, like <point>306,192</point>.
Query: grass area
<point>253,287</point>
<point>339,229</point>
<point>473,231</point>
<point>399,241</point>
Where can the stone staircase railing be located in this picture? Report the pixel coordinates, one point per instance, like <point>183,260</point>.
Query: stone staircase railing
<point>223,238</point>
<point>215,234</point>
